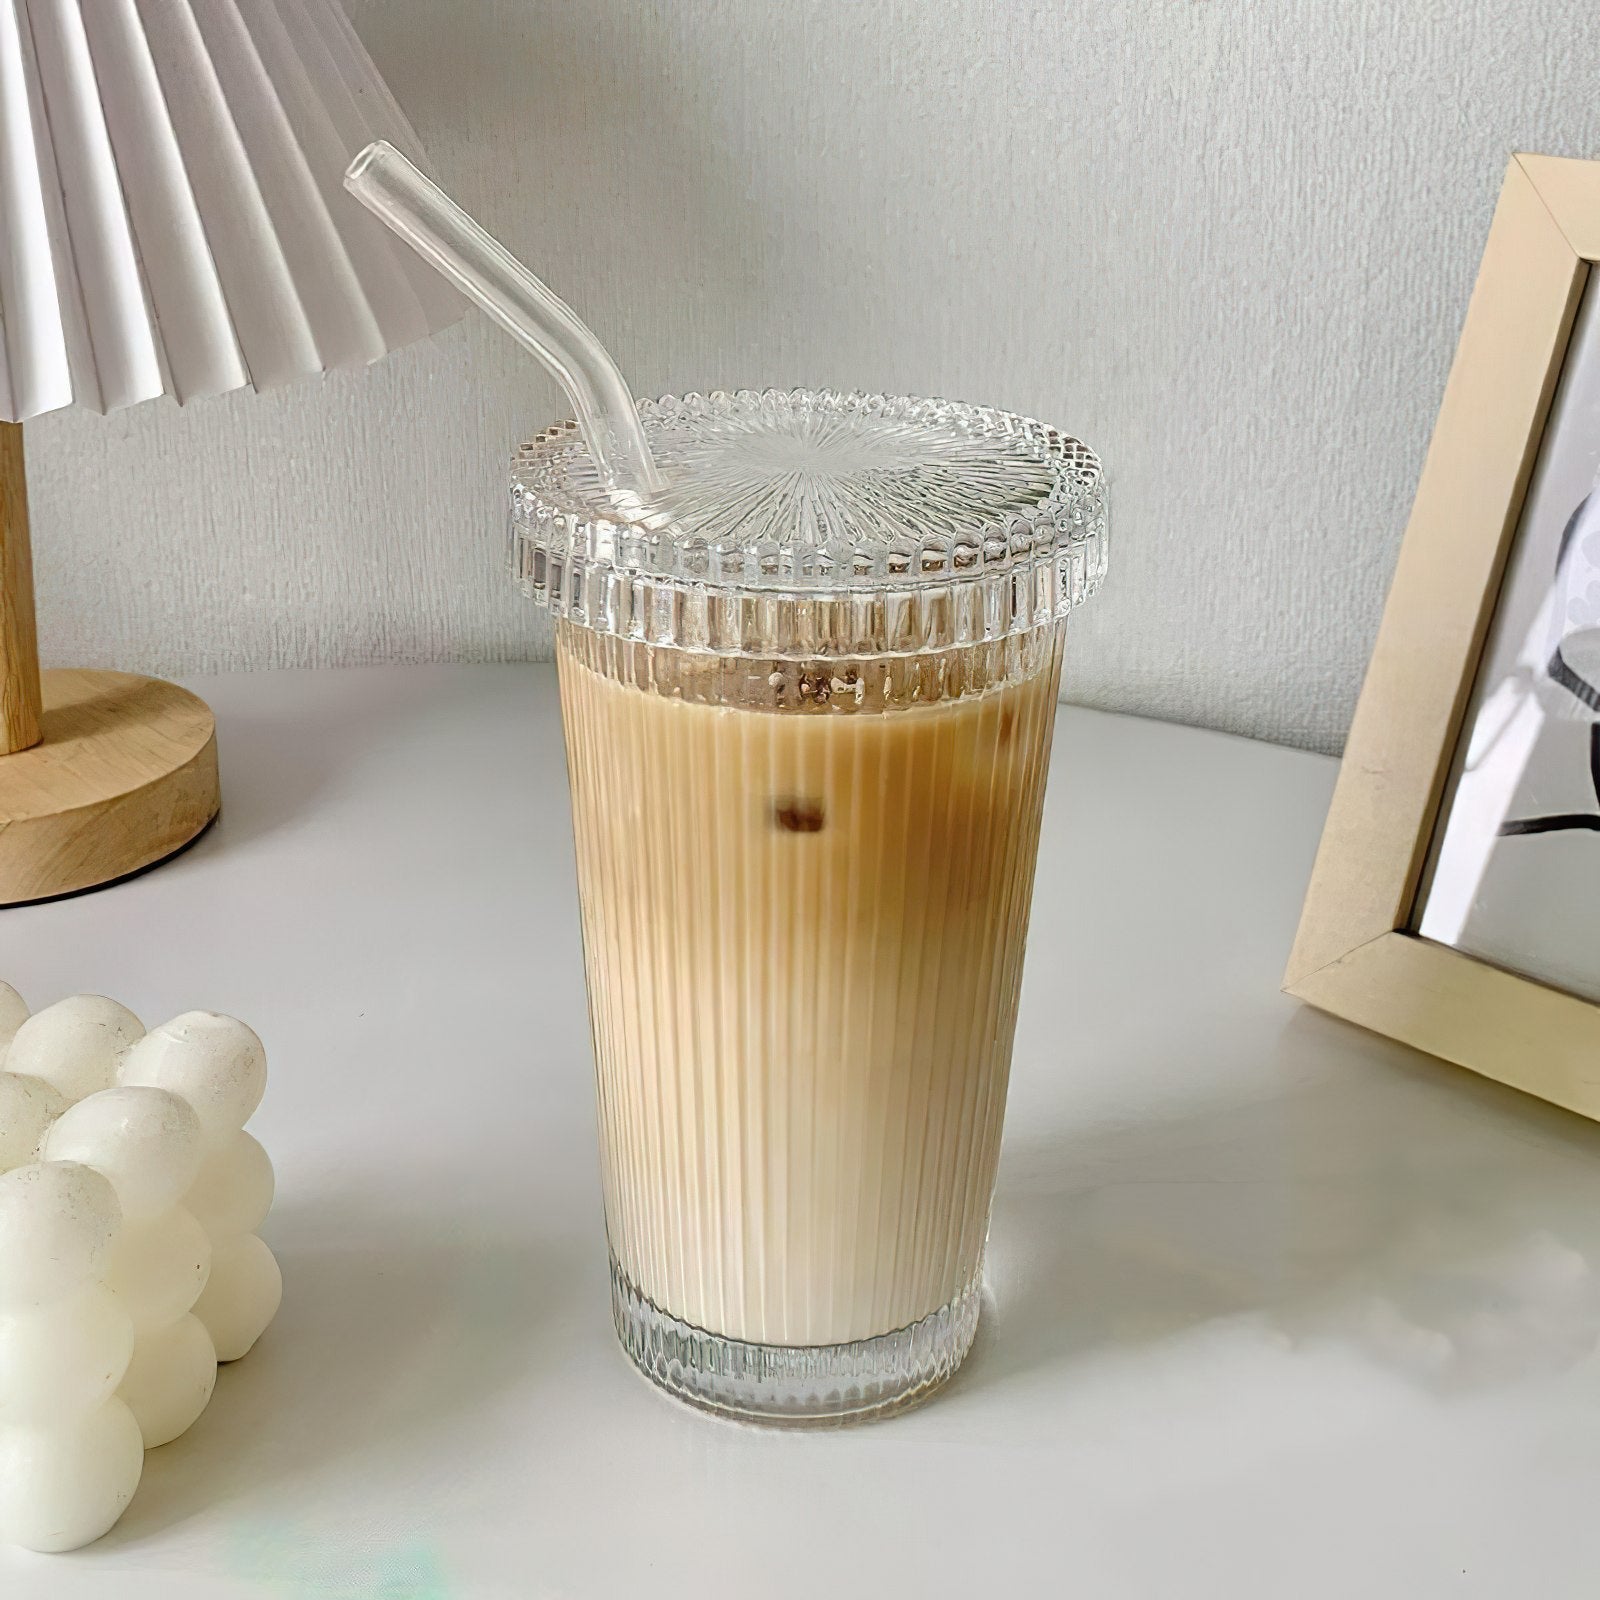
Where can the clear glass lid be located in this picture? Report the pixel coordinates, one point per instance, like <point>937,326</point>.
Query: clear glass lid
<point>815,523</point>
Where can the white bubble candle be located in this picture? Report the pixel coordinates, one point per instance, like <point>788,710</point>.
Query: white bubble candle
<point>130,1196</point>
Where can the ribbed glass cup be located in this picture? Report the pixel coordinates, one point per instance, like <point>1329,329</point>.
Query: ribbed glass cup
<point>805,876</point>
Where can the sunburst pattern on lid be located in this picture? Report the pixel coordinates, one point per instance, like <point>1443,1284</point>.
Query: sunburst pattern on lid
<point>819,495</point>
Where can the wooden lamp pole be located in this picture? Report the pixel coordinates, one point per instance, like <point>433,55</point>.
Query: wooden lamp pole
<point>19,640</point>
<point>101,773</point>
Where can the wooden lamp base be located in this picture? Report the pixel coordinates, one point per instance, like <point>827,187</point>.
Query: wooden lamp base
<point>101,773</point>
<point>125,774</point>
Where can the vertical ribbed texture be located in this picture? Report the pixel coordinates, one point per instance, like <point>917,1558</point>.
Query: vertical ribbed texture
<point>804,932</point>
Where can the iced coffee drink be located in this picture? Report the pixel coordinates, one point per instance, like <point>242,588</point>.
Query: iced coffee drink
<point>808,714</point>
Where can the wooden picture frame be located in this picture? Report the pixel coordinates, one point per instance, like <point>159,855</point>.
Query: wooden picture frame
<point>1355,955</point>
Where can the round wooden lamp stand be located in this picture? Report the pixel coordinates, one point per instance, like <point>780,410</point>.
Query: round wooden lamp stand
<point>101,773</point>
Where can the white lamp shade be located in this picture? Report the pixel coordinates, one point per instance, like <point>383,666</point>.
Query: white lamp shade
<point>172,219</point>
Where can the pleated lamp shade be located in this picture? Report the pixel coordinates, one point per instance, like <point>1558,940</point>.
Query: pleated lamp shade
<point>170,203</point>
<point>172,222</point>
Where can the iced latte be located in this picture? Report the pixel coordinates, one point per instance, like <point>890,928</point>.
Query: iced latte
<point>806,819</point>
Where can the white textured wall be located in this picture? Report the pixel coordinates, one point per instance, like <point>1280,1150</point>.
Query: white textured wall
<point>1228,241</point>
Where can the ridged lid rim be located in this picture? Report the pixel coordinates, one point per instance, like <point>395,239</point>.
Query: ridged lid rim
<point>576,552</point>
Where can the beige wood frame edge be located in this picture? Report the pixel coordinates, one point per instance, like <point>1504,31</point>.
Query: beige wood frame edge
<point>1353,955</point>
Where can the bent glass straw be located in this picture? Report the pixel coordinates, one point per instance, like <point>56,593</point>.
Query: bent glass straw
<point>422,214</point>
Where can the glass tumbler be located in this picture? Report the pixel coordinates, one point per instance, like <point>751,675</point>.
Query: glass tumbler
<point>808,701</point>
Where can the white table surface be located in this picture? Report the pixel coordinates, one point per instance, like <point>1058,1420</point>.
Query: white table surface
<point>1277,1309</point>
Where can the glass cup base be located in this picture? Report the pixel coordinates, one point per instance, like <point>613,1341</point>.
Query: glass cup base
<point>795,1386</point>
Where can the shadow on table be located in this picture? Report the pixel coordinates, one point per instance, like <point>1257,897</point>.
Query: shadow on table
<point>272,770</point>
<point>284,751</point>
<point>387,1335</point>
<point>275,765</point>
<point>1445,1228</point>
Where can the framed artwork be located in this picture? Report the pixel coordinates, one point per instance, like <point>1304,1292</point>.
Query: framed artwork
<point>1455,902</point>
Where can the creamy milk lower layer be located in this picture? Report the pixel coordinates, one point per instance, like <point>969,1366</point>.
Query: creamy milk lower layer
<point>803,935</point>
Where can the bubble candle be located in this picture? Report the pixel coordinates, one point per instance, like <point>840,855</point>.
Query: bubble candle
<point>130,1196</point>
